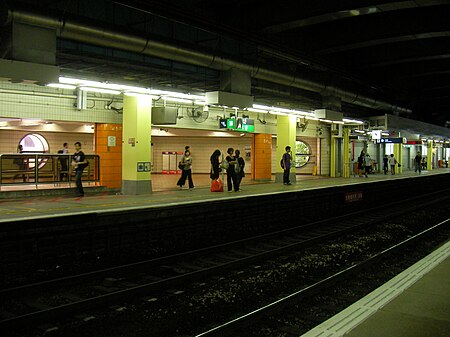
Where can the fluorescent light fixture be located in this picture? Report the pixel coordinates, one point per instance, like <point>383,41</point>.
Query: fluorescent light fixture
<point>176,94</point>
<point>282,111</point>
<point>338,122</point>
<point>176,99</point>
<point>326,120</point>
<point>61,86</point>
<point>385,133</point>
<point>262,107</point>
<point>274,112</point>
<point>348,120</point>
<point>100,90</point>
<point>127,88</point>
<point>136,94</point>
<point>257,110</point>
<point>360,131</point>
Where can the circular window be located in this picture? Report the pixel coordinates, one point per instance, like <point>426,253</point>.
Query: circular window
<point>35,143</point>
<point>302,153</point>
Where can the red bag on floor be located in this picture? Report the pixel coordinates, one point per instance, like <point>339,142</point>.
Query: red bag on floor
<point>216,186</point>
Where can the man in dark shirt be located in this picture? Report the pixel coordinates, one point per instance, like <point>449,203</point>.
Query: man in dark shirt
<point>418,162</point>
<point>79,163</point>
<point>286,164</point>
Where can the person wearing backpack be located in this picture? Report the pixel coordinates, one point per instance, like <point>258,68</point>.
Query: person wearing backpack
<point>79,162</point>
<point>239,169</point>
<point>286,165</point>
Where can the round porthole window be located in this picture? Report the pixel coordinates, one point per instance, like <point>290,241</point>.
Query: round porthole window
<point>35,143</point>
<point>302,153</point>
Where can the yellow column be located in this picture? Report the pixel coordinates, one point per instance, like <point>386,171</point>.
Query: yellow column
<point>346,135</point>
<point>286,136</point>
<point>430,155</point>
<point>398,157</point>
<point>136,149</point>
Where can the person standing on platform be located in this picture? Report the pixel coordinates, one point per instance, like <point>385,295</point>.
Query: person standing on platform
<point>361,163</point>
<point>186,172</point>
<point>385,164</point>
<point>64,162</point>
<point>21,163</point>
<point>392,163</point>
<point>79,162</point>
<point>367,164</point>
<point>231,173</point>
<point>286,165</point>
<point>215,165</point>
<point>418,162</point>
<point>240,164</point>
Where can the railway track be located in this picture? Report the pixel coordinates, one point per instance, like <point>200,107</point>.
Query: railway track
<point>49,300</point>
<point>243,322</point>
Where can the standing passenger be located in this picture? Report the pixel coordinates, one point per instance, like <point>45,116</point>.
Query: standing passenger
<point>186,161</point>
<point>21,163</point>
<point>231,174</point>
<point>286,164</point>
<point>215,165</point>
<point>385,164</point>
<point>392,162</point>
<point>79,163</point>
<point>64,162</point>
<point>418,162</point>
<point>361,163</point>
<point>367,164</point>
<point>240,174</point>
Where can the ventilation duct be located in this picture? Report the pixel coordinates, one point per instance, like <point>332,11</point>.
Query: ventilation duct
<point>111,38</point>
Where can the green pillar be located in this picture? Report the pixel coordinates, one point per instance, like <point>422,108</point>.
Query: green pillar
<point>286,135</point>
<point>346,135</point>
<point>136,149</point>
<point>430,155</point>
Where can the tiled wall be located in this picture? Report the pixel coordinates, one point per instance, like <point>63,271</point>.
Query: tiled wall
<point>201,150</point>
<point>50,104</point>
<point>45,103</point>
<point>9,139</point>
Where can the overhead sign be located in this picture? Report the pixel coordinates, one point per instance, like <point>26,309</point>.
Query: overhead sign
<point>398,140</point>
<point>238,124</point>
<point>376,134</point>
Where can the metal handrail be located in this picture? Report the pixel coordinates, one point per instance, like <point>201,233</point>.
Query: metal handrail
<point>44,168</point>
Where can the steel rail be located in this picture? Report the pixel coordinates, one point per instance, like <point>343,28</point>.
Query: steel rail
<point>124,294</point>
<point>244,321</point>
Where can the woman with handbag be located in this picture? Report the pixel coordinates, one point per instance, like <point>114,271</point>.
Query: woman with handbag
<point>216,183</point>
<point>186,172</point>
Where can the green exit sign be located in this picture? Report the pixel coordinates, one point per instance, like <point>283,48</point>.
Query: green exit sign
<point>241,124</point>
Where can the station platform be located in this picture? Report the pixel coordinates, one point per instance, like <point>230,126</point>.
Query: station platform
<point>28,207</point>
<point>415,303</point>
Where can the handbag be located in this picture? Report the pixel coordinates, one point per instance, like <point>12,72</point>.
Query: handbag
<point>180,165</point>
<point>216,185</point>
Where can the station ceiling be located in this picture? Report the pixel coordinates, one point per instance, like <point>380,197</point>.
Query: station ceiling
<point>391,51</point>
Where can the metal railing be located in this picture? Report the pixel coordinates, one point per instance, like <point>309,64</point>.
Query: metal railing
<point>43,168</point>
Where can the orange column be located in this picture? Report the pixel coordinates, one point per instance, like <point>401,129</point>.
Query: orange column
<point>110,153</point>
<point>262,158</point>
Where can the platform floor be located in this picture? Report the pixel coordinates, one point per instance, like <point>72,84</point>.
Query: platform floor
<point>56,205</point>
<point>415,303</point>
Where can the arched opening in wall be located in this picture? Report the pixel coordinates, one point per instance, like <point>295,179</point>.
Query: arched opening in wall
<point>302,153</point>
<point>35,143</point>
